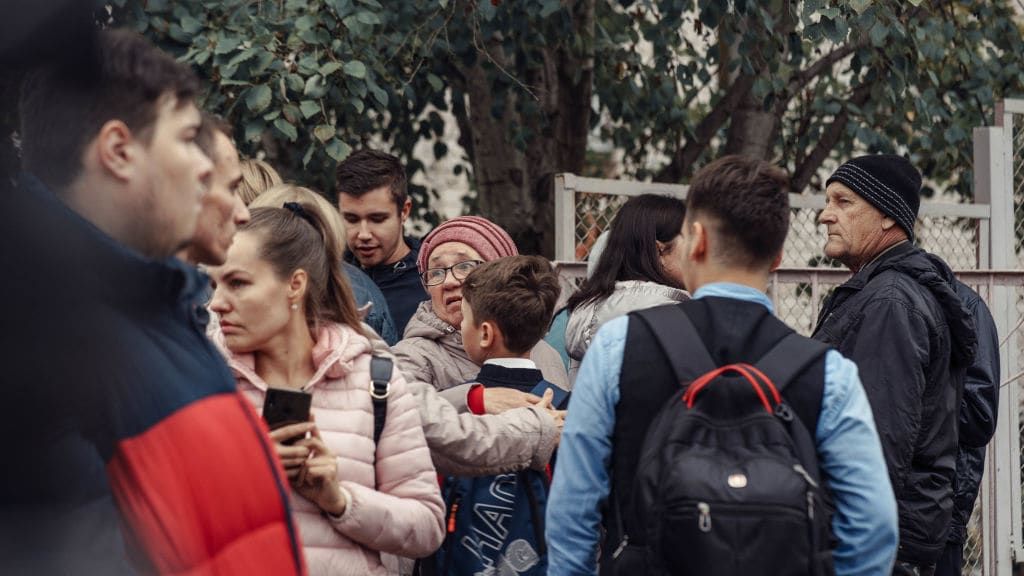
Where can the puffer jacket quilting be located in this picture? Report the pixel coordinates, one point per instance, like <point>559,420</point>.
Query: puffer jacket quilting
<point>396,506</point>
<point>629,296</point>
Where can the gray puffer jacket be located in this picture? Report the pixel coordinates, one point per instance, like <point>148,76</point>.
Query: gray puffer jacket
<point>432,352</point>
<point>629,295</point>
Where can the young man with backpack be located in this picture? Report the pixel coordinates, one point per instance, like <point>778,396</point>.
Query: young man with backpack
<point>707,437</point>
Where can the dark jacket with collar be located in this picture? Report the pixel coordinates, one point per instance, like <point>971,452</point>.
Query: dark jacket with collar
<point>367,292</point>
<point>400,283</point>
<point>900,319</point>
<point>978,409</point>
<point>133,381</point>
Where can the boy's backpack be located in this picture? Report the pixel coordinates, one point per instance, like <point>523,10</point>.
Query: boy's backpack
<point>727,481</point>
<point>495,524</point>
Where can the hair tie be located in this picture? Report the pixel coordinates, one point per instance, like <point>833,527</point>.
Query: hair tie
<point>301,212</point>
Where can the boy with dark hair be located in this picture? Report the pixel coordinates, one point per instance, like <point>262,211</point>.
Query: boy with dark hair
<point>374,201</point>
<point>635,372</point>
<point>496,523</point>
<point>130,401</point>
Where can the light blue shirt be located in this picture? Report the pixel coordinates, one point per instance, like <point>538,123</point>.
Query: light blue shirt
<point>849,453</point>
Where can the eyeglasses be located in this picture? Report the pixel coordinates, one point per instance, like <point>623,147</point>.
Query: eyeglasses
<point>435,276</point>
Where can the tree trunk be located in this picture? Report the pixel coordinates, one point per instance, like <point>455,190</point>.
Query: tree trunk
<point>752,130</point>
<point>514,187</point>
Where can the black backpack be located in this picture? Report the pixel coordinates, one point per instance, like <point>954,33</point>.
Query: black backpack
<point>728,481</point>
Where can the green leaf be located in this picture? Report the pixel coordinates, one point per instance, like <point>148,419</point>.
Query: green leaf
<point>226,45</point>
<point>440,150</point>
<point>338,150</point>
<point>315,87</point>
<point>436,83</point>
<point>372,4</point>
<point>954,134</point>
<point>549,7</point>
<point>253,130</point>
<point>309,108</point>
<point>324,132</point>
<point>287,129</point>
<point>341,7</point>
<point>295,82</point>
<point>878,33</point>
<point>368,18</point>
<point>329,68</point>
<point>859,6</point>
<point>258,98</point>
<point>378,93</point>
<point>357,104</point>
<point>357,28</point>
<point>242,56</point>
<point>305,23</point>
<point>190,25</point>
<point>355,69</point>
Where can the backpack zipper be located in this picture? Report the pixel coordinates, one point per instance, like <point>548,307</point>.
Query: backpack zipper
<point>704,517</point>
<point>622,546</point>
<point>810,494</point>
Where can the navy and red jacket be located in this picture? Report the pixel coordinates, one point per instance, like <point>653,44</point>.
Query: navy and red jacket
<point>128,371</point>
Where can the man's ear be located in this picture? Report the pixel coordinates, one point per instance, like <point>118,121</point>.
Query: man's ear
<point>887,223</point>
<point>117,150</point>
<point>406,210</point>
<point>488,335</point>
<point>699,242</point>
<point>776,262</point>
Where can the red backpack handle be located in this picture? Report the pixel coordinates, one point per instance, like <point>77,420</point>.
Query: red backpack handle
<point>748,372</point>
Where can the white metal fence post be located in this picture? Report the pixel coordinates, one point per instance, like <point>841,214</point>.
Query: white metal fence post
<point>565,218</point>
<point>1000,524</point>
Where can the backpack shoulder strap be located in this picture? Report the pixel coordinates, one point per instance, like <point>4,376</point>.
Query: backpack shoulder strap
<point>782,364</point>
<point>381,369</point>
<point>791,356</point>
<point>674,331</point>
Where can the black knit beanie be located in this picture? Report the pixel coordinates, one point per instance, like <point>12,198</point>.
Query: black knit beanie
<point>889,182</point>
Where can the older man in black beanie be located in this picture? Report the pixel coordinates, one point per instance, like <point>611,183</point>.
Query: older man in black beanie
<point>899,318</point>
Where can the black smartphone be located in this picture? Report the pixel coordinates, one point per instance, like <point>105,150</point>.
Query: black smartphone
<point>283,407</point>
<point>559,401</point>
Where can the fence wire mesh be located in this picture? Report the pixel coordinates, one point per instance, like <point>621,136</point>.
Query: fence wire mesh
<point>953,239</point>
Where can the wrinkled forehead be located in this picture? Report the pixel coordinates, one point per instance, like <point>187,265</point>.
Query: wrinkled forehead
<point>838,189</point>
<point>452,253</point>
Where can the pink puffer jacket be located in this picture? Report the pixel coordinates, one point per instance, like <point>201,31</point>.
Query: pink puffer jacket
<point>404,515</point>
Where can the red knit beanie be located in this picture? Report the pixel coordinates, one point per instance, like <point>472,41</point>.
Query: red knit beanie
<point>484,236</point>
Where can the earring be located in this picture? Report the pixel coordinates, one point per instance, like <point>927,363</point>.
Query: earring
<point>295,306</point>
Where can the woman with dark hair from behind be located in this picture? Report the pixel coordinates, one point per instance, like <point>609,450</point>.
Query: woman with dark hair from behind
<point>288,320</point>
<point>639,268</point>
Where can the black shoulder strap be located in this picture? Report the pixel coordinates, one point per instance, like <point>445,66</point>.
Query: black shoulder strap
<point>380,386</point>
<point>782,364</point>
<point>674,331</point>
<point>791,356</point>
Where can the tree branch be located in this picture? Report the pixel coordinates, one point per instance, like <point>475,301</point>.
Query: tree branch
<point>708,127</point>
<point>806,170</point>
<point>804,77</point>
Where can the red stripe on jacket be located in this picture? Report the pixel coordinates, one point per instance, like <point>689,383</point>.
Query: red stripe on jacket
<point>202,493</point>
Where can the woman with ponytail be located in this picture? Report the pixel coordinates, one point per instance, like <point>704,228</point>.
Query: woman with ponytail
<point>288,320</point>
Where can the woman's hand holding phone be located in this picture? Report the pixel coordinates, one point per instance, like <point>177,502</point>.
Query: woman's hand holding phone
<point>286,441</point>
<point>317,478</point>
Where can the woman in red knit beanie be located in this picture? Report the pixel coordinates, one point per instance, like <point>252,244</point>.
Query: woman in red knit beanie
<point>432,349</point>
